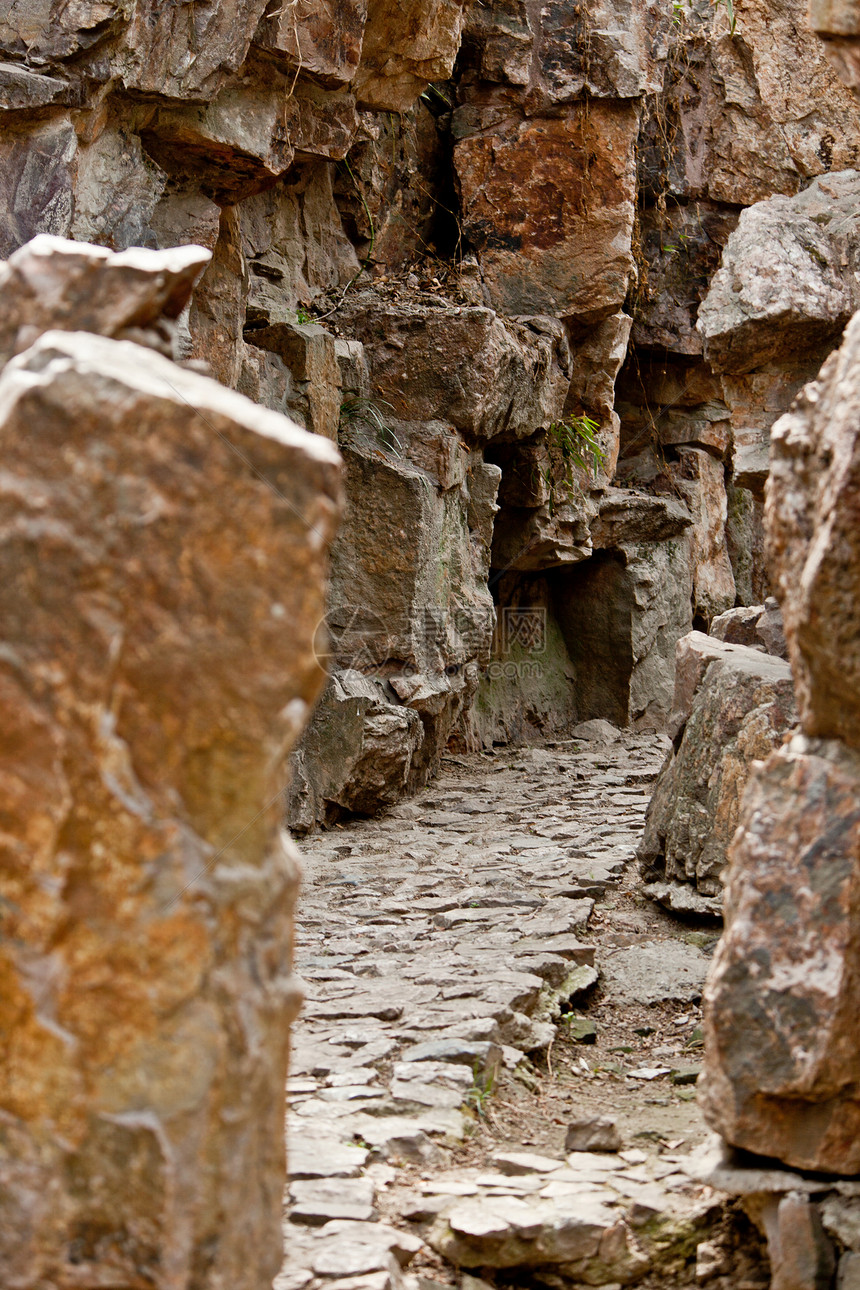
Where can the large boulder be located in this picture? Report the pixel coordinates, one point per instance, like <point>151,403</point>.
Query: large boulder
<point>549,203</point>
<point>732,706</point>
<point>787,286</point>
<point>52,283</point>
<point>162,568</point>
<point>789,275</point>
<point>410,620</point>
<point>781,1043</point>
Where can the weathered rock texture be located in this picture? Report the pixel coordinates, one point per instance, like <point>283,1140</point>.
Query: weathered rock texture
<point>835,21</point>
<point>780,1073</point>
<point>814,543</point>
<point>442,233</point>
<point>782,1050</point>
<point>163,562</point>
<point>732,706</point>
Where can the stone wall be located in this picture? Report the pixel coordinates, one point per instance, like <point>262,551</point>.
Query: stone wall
<point>444,234</point>
<point>162,568</point>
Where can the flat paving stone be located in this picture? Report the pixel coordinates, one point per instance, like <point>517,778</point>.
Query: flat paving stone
<point>655,972</point>
<point>431,942</point>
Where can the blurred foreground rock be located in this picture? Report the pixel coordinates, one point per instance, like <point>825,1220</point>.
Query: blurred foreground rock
<point>782,1048</point>
<point>162,568</point>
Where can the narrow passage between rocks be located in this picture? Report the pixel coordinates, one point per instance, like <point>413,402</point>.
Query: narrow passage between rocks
<point>493,1071</point>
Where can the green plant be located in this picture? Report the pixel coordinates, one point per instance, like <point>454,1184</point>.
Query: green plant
<point>572,442</point>
<point>358,411</point>
<point>480,1092</point>
<point>302,316</point>
<point>729,6</point>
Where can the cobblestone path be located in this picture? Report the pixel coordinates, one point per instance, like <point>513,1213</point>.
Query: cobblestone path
<point>453,953</point>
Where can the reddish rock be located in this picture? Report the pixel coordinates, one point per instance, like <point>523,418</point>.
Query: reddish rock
<point>781,1044</point>
<point>548,202</point>
<point>163,559</point>
<point>405,48</point>
<point>323,42</point>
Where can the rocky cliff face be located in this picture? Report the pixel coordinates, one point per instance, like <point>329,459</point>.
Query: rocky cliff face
<point>469,241</point>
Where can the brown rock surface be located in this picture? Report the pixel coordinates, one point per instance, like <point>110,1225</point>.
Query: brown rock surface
<point>836,21</point>
<point>405,48</point>
<point>742,117</point>
<point>163,560</point>
<point>813,503</point>
<point>548,202</point>
<point>53,284</point>
<point>781,1043</point>
<point>324,42</point>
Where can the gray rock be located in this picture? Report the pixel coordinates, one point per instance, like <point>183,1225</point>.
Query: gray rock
<point>558,917</point>
<point>681,898</point>
<point>716,1164</point>
<point>515,1163</point>
<point>654,972</point>
<point>848,1272</point>
<point>841,1218</point>
<point>314,1213</point>
<point>320,1157</point>
<point>345,1191</point>
<point>788,276</point>
<point>480,1056</point>
<point>741,710</point>
<point>771,629</point>
<point>24,89</point>
<point>596,731</point>
<point>379,732</point>
<point>595,1134</point>
<point>350,1260</point>
<point>342,1235</point>
<point>388,1278</point>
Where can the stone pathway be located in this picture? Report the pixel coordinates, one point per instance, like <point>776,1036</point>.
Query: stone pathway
<point>448,950</point>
